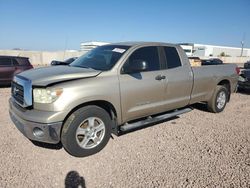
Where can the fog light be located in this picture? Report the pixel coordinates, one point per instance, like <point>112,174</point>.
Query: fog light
<point>38,132</point>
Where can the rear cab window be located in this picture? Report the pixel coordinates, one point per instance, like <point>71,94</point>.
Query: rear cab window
<point>172,57</point>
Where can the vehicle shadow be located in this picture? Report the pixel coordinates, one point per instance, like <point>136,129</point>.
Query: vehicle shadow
<point>149,125</point>
<point>201,107</point>
<point>5,86</point>
<point>47,146</point>
<point>74,180</point>
<point>244,91</point>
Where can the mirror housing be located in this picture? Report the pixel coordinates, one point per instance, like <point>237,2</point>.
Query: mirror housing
<point>137,65</point>
<point>54,62</point>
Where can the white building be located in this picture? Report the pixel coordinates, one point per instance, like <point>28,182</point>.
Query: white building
<point>204,50</point>
<point>86,46</point>
<point>188,49</point>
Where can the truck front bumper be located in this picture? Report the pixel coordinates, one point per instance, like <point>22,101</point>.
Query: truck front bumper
<point>42,132</point>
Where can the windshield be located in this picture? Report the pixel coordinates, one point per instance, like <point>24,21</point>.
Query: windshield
<point>101,58</point>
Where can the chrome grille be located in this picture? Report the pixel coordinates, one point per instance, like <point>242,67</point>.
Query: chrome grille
<point>22,91</point>
<point>17,93</point>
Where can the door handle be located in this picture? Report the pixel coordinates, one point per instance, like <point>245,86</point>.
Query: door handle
<point>160,77</point>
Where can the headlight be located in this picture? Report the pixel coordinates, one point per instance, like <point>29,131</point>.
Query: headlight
<point>45,95</point>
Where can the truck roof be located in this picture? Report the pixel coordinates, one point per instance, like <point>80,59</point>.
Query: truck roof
<point>137,43</point>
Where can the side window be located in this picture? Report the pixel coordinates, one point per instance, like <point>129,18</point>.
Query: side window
<point>5,62</point>
<point>23,61</point>
<point>14,62</point>
<point>172,56</point>
<point>148,54</point>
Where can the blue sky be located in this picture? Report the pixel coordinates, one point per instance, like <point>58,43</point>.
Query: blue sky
<point>58,25</point>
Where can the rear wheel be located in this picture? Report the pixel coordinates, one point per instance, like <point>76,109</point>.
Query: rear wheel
<point>219,99</point>
<point>86,131</point>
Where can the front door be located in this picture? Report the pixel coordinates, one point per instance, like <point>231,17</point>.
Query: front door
<point>142,93</point>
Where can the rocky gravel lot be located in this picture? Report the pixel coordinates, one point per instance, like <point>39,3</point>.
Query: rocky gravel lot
<point>199,149</point>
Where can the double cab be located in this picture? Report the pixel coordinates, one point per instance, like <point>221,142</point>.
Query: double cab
<point>113,89</point>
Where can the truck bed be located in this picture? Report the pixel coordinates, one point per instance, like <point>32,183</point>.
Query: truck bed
<point>205,79</point>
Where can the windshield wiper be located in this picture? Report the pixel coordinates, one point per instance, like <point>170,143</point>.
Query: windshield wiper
<point>85,67</point>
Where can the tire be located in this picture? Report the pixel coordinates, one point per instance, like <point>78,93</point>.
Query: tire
<point>86,131</point>
<point>219,99</point>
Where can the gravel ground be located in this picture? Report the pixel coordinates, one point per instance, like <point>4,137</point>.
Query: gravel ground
<point>199,149</point>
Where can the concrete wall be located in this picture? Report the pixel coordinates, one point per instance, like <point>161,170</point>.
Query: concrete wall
<point>231,52</point>
<point>42,58</point>
<point>237,60</point>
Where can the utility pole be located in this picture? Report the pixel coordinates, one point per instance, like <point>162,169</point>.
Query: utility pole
<point>242,47</point>
<point>242,44</point>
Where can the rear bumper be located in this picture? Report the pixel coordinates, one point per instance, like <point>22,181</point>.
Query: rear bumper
<point>42,132</point>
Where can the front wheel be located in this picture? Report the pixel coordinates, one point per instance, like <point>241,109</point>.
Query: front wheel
<point>219,99</point>
<point>86,131</point>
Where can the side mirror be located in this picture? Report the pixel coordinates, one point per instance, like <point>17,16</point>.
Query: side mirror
<point>137,65</point>
<point>54,62</point>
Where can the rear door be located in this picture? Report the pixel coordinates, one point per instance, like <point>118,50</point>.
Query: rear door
<point>142,94</point>
<point>179,79</point>
<point>6,69</point>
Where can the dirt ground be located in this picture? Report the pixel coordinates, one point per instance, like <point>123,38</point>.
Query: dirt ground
<point>199,149</point>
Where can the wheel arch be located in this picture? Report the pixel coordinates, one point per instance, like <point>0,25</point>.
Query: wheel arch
<point>109,107</point>
<point>226,83</point>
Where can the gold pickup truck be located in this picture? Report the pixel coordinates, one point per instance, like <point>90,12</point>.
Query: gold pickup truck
<point>112,89</point>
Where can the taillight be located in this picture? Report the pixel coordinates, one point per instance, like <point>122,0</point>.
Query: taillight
<point>237,69</point>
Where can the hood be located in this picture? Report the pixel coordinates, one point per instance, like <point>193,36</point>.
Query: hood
<point>54,74</point>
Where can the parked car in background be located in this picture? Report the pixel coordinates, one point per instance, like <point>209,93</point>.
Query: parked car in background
<point>244,77</point>
<point>212,61</point>
<point>247,65</point>
<point>12,65</point>
<point>244,80</point>
<point>66,62</point>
